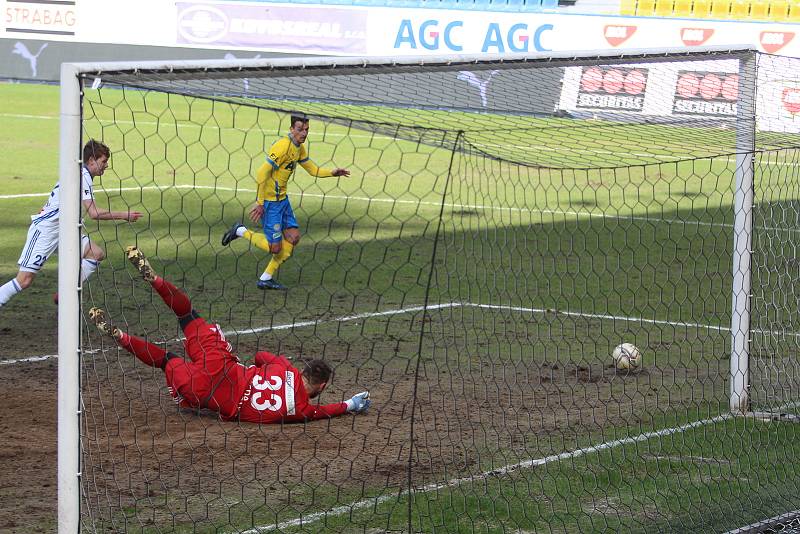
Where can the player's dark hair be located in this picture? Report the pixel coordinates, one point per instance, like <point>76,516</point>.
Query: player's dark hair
<point>298,117</point>
<point>317,372</point>
<point>95,149</point>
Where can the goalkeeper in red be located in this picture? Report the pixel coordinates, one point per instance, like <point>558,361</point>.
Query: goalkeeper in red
<point>271,391</point>
<point>273,210</point>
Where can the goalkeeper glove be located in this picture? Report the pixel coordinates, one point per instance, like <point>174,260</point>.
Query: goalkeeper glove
<point>358,403</point>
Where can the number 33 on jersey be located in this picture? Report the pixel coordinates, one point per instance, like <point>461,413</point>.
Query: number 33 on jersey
<point>276,392</point>
<point>269,393</point>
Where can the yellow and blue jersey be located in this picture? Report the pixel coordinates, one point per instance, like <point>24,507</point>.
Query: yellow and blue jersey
<point>284,156</point>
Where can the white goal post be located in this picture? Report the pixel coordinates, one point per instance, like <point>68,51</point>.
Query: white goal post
<point>69,287</point>
<point>743,237</point>
<point>69,321</point>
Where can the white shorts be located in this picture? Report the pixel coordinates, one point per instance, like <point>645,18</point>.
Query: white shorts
<point>41,243</point>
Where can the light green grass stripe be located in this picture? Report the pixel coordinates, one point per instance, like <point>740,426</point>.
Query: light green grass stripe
<point>348,134</point>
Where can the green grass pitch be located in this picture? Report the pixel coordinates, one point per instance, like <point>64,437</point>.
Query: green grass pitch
<point>538,272</point>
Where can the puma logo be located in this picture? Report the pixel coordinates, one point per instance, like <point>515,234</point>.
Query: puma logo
<point>473,80</point>
<point>21,50</point>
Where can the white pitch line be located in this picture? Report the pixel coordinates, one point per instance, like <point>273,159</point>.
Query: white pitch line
<point>766,522</point>
<point>606,317</point>
<point>393,201</point>
<point>683,459</point>
<point>29,359</point>
<point>286,326</point>
<point>26,116</point>
<point>25,195</point>
<point>367,315</point>
<point>596,316</point>
<point>527,464</point>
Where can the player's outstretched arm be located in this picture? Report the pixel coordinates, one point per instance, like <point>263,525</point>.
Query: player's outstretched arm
<point>356,404</point>
<point>101,214</point>
<point>320,172</point>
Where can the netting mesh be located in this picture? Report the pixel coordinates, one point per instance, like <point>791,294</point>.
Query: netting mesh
<point>493,244</point>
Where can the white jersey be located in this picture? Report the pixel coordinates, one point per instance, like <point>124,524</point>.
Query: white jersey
<point>50,210</point>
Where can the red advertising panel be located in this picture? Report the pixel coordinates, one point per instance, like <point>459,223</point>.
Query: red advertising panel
<point>772,41</point>
<point>696,36</point>
<point>790,98</point>
<point>609,87</point>
<point>617,34</point>
<point>706,93</point>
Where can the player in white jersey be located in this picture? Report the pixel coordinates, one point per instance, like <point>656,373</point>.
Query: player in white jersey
<point>43,233</point>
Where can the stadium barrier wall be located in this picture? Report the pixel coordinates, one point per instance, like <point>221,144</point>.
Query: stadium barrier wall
<point>188,30</point>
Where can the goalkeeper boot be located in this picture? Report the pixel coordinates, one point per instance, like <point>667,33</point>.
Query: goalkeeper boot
<point>231,234</point>
<point>100,319</point>
<point>136,257</point>
<point>270,284</point>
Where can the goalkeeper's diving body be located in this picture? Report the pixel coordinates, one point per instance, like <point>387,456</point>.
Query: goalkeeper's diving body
<point>273,210</point>
<point>271,391</point>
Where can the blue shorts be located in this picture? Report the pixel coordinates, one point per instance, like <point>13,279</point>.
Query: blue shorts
<point>278,216</point>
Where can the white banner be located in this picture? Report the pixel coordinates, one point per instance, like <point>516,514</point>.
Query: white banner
<point>380,31</point>
<point>424,31</point>
<point>42,18</point>
<point>685,89</point>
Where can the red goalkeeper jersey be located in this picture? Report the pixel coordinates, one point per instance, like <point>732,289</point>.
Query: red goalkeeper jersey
<point>275,392</point>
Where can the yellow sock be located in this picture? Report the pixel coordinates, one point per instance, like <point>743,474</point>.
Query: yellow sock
<point>279,258</point>
<point>257,238</point>
<point>272,267</point>
<point>286,250</point>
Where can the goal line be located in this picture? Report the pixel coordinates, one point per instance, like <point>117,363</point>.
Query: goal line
<point>414,309</point>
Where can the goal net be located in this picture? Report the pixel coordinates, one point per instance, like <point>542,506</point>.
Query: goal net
<point>505,225</point>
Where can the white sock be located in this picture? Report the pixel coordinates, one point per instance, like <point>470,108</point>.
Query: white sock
<point>8,290</point>
<point>265,276</point>
<point>87,268</point>
<point>241,230</point>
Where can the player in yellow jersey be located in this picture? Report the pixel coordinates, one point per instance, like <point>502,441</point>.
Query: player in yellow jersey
<point>273,210</point>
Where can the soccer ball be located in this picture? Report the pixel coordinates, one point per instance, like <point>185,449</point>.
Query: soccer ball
<point>626,356</point>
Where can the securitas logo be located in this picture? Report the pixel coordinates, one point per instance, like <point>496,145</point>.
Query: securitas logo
<point>774,41</point>
<point>202,24</point>
<point>695,36</point>
<point>706,93</point>
<point>616,88</point>
<point>616,35</point>
<point>791,99</point>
